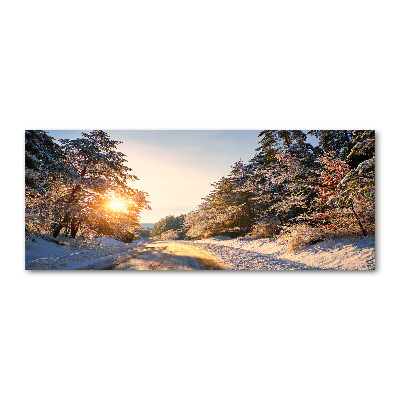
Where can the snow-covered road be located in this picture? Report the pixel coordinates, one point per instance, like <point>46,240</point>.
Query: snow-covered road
<point>213,253</point>
<point>106,254</point>
<point>162,255</point>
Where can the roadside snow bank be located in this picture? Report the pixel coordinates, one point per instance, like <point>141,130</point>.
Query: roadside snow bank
<point>78,254</point>
<point>247,253</point>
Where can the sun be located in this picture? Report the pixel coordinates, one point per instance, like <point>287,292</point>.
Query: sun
<point>116,205</point>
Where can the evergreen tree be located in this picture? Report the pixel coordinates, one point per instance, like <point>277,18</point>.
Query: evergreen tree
<point>283,172</point>
<point>227,210</point>
<point>97,176</point>
<point>331,185</point>
<point>357,188</point>
<point>273,142</point>
<point>43,161</point>
<point>335,143</point>
<point>44,171</point>
<point>170,224</point>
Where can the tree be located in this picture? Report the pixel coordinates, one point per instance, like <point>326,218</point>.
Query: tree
<point>97,175</point>
<point>283,170</point>
<point>43,161</point>
<point>340,144</point>
<point>273,142</point>
<point>145,233</point>
<point>227,210</point>
<point>346,197</point>
<point>291,187</point>
<point>171,224</point>
<point>358,186</point>
<point>331,185</point>
<point>44,171</point>
<point>276,183</point>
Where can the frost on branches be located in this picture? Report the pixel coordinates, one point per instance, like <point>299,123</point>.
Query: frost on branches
<point>330,187</point>
<point>169,228</point>
<point>349,192</point>
<point>91,175</point>
<point>44,171</point>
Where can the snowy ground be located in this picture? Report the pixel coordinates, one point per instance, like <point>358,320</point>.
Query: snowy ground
<point>241,253</point>
<point>267,254</point>
<point>78,254</point>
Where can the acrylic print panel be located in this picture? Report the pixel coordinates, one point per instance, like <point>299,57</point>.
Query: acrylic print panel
<point>200,200</point>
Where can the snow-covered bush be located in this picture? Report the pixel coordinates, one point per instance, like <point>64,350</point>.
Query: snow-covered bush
<point>170,223</point>
<point>170,235</point>
<point>342,223</point>
<point>264,230</point>
<point>300,236</point>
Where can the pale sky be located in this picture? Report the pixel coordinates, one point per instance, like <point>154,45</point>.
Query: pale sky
<point>176,168</point>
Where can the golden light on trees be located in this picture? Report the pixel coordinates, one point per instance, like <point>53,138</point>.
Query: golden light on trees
<point>116,205</point>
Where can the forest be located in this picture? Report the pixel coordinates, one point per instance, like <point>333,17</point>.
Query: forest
<point>290,188</point>
<point>80,188</point>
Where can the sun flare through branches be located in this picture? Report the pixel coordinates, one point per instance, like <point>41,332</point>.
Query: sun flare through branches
<point>116,205</point>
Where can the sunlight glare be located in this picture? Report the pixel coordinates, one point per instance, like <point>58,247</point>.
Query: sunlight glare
<point>116,205</point>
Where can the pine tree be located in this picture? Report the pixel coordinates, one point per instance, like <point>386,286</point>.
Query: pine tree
<point>97,175</point>
<point>170,224</point>
<point>228,209</point>
<point>43,161</point>
<point>283,171</point>
<point>273,142</point>
<point>44,170</point>
<point>335,143</point>
<point>331,186</point>
<point>358,186</point>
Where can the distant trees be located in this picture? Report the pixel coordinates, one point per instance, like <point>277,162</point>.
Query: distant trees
<point>170,228</point>
<point>82,178</point>
<point>145,233</point>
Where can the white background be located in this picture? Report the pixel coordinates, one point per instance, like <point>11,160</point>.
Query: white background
<point>199,65</point>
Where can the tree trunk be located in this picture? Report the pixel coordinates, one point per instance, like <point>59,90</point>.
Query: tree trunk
<point>358,220</point>
<point>59,227</point>
<point>75,190</point>
<point>57,230</point>
<point>250,213</point>
<point>74,228</point>
<point>285,135</point>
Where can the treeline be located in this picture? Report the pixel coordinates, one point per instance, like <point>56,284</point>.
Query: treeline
<point>290,185</point>
<point>69,187</point>
<point>170,228</point>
